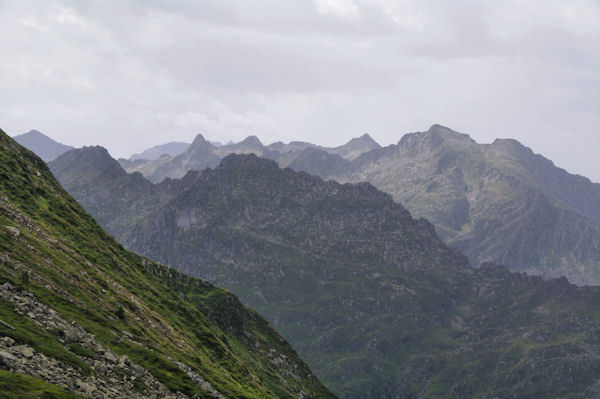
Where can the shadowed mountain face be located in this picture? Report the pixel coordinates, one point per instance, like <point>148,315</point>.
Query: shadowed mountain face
<point>375,302</point>
<point>42,145</point>
<point>81,315</point>
<point>496,202</point>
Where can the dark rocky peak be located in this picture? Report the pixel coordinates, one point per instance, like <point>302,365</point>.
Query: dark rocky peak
<point>319,162</point>
<point>246,162</point>
<point>249,172</point>
<point>87,161</point>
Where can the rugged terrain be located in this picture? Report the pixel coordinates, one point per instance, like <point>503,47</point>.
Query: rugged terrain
<point>82,317</point>
<point>496,202</point>
<point>375,302</point>
<point>203,154</point>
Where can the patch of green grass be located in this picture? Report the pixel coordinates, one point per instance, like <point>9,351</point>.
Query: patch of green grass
<point>22,386</point>
<point>82,351</point>
<point>27,333</point>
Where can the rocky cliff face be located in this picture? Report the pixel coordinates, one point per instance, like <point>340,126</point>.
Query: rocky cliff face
<point>371,297</point>
<point>79,315</point>
<point>498,202</point>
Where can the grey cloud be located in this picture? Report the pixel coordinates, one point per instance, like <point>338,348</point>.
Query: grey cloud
<point>137,73</point>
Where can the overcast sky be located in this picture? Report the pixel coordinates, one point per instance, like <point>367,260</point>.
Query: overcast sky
<point>131,74</point>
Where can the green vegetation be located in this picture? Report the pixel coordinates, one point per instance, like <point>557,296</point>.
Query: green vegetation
<point>22,386</point>
<point>371,298</point>
<point>26,332</point>
<point>78,270</point>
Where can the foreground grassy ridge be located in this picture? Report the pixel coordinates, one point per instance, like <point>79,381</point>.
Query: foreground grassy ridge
<point>22,386</point>
<point>80,271</point>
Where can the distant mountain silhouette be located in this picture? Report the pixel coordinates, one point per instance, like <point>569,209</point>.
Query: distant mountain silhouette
<point>42,145</point>
<point>172,149</point>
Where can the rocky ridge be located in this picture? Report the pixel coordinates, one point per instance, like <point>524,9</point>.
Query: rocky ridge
<point>497,202</point>
<point>202,154</point>
<point>107,303</point>
<point>112,375</point>
<point>371,297</point>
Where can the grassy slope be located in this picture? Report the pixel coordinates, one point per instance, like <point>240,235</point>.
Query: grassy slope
<point>441,331</point>
<point>22,386</point>
<point>80,271</point>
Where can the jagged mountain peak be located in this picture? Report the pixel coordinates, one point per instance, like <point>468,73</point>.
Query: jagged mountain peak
<point>90,158</point>
<point>200,141</point>
<point>251,141</point>
<point>42,145</point>
<point>233,161</point>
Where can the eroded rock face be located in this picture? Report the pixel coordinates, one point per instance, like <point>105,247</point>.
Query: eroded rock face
<point>496,202</point>
<point>370,296</point>
<point>112,376</point>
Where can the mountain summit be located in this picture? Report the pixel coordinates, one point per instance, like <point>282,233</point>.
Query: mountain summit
<point>42,145</point>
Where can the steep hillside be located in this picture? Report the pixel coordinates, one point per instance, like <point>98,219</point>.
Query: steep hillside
<point>81,316</point>
<point>374,301</point>
<point>42,145</point>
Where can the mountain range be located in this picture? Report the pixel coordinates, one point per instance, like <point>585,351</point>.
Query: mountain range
<point>370,297</point>
<point>496,202</point>
<point>82,317</point>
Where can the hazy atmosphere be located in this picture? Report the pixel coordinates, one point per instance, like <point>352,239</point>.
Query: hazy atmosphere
<point>136,74</point>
